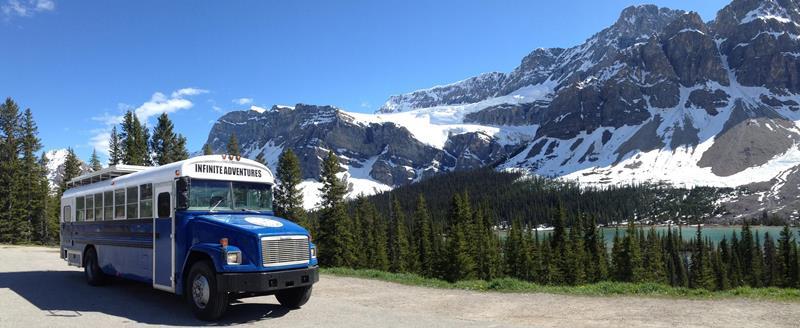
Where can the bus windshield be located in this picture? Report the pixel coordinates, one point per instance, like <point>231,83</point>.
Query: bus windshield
<point>212,195</point>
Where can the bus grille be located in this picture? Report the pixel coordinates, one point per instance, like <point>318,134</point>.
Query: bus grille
<point>284,250</point>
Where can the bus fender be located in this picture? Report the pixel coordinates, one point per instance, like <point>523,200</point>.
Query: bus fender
<point>213,251</point>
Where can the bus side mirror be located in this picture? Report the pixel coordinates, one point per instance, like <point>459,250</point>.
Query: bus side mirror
<point>182,191</point>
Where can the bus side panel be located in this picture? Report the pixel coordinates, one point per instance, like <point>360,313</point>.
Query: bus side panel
<point>127,262</point>
<point>124,247</point>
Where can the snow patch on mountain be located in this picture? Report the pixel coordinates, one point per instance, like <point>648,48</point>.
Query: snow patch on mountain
<point>434,125</point>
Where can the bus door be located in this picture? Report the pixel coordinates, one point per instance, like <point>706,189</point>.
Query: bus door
<point>164,238</point>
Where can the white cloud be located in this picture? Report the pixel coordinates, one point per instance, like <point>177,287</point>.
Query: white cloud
<point>26,8</point>
<point>99,140</point>
<point>365,104</point>
<point>188,92</point>
<point>45,5</point>
<point>158,103</point>
<point>243,101</point>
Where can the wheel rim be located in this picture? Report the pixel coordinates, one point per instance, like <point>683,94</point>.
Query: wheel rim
<point>201,291</point>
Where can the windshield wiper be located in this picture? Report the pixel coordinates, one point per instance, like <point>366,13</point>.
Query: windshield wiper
<point>215,206</point>
<point>249,210</point>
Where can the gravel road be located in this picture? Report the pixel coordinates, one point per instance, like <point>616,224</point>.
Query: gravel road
<point>37,289</point>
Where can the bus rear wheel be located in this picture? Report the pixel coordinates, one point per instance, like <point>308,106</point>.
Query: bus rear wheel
<point>203,294</point>
<point>91,269</point>
<point>294,298</point>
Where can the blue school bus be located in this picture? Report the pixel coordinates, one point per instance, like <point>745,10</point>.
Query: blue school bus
<point>202,228</point>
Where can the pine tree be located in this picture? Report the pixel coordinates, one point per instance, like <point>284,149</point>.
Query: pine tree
<point>700,272</point>
<point>574,257</point>
<point>72,168</point>
<point>144,144</point>
<point>31,200</point>
<point>115,152</point>
<point>207,150</point>
<point>362,226</point>
<point>380,261</point>
<point>49,229</point>
<point>631,258</point>
<point>735,274</point>
<point>514,251</point>
<point>424,248</point>
<point>487,253</point>
<point>336,241</point>
<point>288,197</point>
<point>618,269</point>
<point>461,265</point>
<point>94,161</point>
<point>233,145</point>
<point>720,271</point>
<point>746,247</point>
<point>758,263</point>
<point>166,145</point>
<point>537,268</point>
<point>653,261</point>
<point>134,141</point>
<point>9,165</point>
<point>771,275</point>
<point>597,265</point>
<point>398,239</point>
<point>558,247</point>
<point>786,258</point>
<point>181,151</point>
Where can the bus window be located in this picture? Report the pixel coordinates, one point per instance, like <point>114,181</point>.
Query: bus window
<point>89,208</point>
<point>98,207</point>
<point>163,205</point>
<point>119,204</point>
<point>67,216</point>
<point>132,207</point>
<point>146,201</point>
<point>79,209</point>
<point>108,205</point>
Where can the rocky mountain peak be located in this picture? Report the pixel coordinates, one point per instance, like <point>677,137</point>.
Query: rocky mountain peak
<point>638,23</point>
<point>466,91</point>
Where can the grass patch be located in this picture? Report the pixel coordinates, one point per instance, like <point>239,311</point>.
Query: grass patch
<point>608,288</point>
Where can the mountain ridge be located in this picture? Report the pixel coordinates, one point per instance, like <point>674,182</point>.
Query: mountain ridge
<point>658,96</point>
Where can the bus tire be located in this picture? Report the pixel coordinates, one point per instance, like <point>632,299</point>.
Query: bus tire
<point>91,269</point>
<point>205,299</point>
<point>294,298</point>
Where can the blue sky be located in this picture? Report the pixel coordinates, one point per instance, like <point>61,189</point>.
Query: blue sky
<point>79,64</point>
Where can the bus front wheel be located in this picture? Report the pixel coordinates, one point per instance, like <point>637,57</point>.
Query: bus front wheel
<point>203,294</point>
<point>91,269</point>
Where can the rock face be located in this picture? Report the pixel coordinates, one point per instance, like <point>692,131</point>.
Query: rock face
<point>384,152</point>
<point>660,96</point>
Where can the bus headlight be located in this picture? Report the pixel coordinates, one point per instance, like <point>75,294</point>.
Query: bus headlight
<point>233,257</point>
<point>313,252</point>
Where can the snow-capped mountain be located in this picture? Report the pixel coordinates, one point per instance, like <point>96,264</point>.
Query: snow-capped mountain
<point>55,166</point>
<point>659,95</point>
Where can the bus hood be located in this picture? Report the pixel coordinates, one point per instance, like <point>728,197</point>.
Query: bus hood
<point>260,224</point>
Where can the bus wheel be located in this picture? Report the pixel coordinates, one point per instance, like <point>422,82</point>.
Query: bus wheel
<point>207,302</point>
<point>294,298</point>
<point>91,269</point>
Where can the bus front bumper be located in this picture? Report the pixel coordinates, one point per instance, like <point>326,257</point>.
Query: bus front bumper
<point>267,282</point>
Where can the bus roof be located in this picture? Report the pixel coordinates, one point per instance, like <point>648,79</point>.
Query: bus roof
<point>213,167</point>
